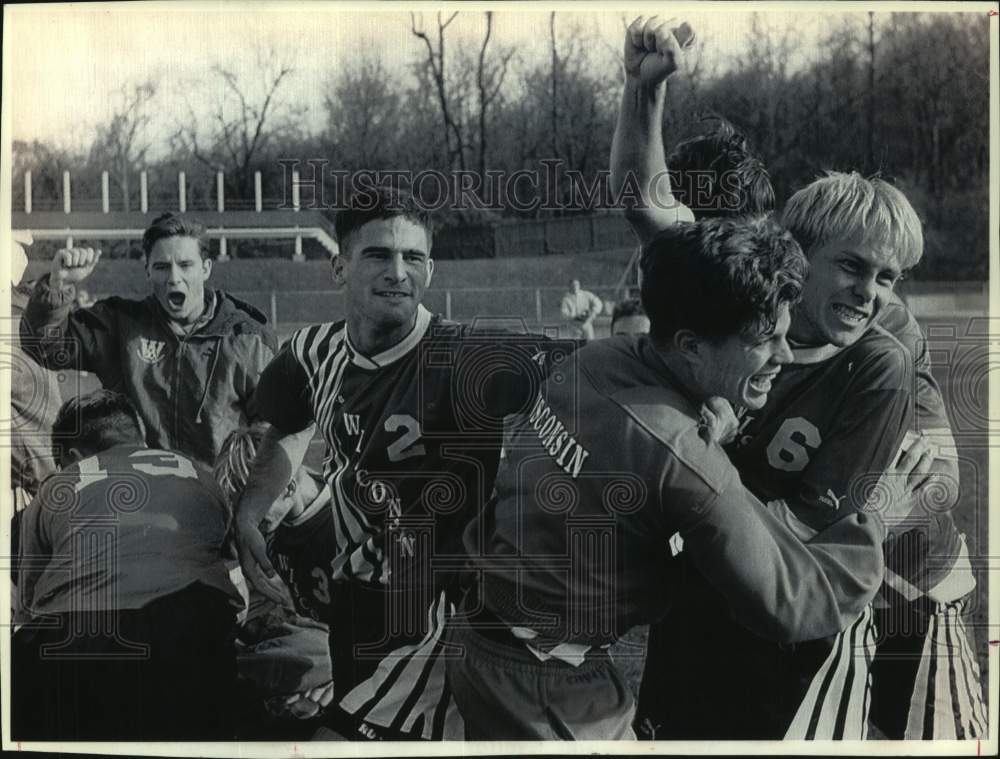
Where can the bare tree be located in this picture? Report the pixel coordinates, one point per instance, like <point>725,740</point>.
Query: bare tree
<point>363,105</point>
<point>554,105</point>
<point>435,62</point>
<point>489,80</point>
<point>246,119</point>
<point>121,145</point>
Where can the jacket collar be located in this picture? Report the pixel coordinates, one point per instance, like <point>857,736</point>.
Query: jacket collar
<point>225,311</point>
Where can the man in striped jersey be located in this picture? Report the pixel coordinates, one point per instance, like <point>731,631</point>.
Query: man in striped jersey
<point>411,409</point>
<point>832,426</point>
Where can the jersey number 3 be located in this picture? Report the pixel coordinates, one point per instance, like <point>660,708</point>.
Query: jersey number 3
<point>788,450</point>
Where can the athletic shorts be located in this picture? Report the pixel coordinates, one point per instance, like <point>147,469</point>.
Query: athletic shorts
<point>505,692</point>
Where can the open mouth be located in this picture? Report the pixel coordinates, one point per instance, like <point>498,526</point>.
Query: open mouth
<point>392,294</point>
<point>761,383</point>
<point>850,314</point>
<point>176,299</point>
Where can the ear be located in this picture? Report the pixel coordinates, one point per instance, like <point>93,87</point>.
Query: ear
<point>207,266</point>
<point>72,456</point>
<point>430,271</point>
<point>339,265</point>
<point>688,344</point>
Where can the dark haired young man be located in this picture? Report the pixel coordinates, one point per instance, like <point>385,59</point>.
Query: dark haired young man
<point>628,318</point>
<point>187,356</point>
<point>574,549</point>
<point>411,409</point>
<point>827,440</point>
<point>127,605</point>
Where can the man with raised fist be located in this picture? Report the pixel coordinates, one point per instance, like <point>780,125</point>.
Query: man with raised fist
<point>187,356</point>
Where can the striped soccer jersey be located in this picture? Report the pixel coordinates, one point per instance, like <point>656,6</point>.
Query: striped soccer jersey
<point>414,437</point>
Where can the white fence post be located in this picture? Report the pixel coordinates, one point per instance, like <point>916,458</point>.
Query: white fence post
<point>223,255</point>
<point>298,249</point>
<point>105,193</point>
<point>143,193</point>
<point>538,305</point>
<point>67,202</point>
<point>182,192</point>
<point>274,308</point>
<point>258,198</point>
<point>220,196</point>
<point>447,304</point>
<point>295,190</point>
<point>27,192</point>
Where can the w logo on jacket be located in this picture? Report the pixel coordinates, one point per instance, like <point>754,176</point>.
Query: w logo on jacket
<point>151,351</point>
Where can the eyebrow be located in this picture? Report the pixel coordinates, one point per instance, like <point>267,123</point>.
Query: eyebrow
<point>868,264</point>
<point>409,251</point>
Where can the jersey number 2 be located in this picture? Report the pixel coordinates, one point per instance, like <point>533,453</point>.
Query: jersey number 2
<point>788,450</point>
<point>406,446</point>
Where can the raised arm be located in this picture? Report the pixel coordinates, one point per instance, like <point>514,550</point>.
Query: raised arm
<point>56,337</point>
<point>653,51</point>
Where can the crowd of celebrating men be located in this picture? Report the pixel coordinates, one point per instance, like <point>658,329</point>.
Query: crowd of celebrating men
<point>742,466</point>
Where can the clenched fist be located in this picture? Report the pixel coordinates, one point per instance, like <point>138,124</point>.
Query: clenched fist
<point>73,265</point>
<point>654,48</point>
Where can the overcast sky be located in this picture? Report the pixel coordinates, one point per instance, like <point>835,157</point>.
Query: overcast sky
<point>66,62</point>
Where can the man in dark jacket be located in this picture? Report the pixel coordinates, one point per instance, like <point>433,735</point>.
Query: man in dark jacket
<point>187,356</point>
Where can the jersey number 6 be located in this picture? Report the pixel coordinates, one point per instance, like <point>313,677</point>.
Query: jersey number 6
<point>788,449</point>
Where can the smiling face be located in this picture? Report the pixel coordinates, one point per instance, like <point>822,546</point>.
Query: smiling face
<point>849,280</point>
<point>385,267</point>
<point>742,371</point>
<point>178,273</point>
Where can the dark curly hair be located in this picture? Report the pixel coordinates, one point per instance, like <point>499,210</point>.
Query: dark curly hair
<point>382,202</point>
<point>720,277</point>
<point>94,422</point>
<point>717,173</point>
<point>173,225</point>
<point>628,307</point>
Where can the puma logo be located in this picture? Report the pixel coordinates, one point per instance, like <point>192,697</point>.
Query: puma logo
<point>831,499</point>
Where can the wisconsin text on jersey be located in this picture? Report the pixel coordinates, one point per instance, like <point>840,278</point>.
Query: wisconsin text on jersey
<point>556,441</point>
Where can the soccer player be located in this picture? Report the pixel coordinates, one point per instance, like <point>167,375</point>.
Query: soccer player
<point>127,602</point>
<point>287,654</point>
<point>187,356</point>
<point>411,409</point>
<point>833,427</point>
<point>573,550</point>
<point>716,174</point>
<point>628,318</point>
<point>582,307</point>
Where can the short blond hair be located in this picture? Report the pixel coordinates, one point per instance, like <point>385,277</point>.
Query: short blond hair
<point>842,205</point>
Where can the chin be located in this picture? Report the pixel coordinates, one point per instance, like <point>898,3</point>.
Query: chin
<point>843,339</point>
